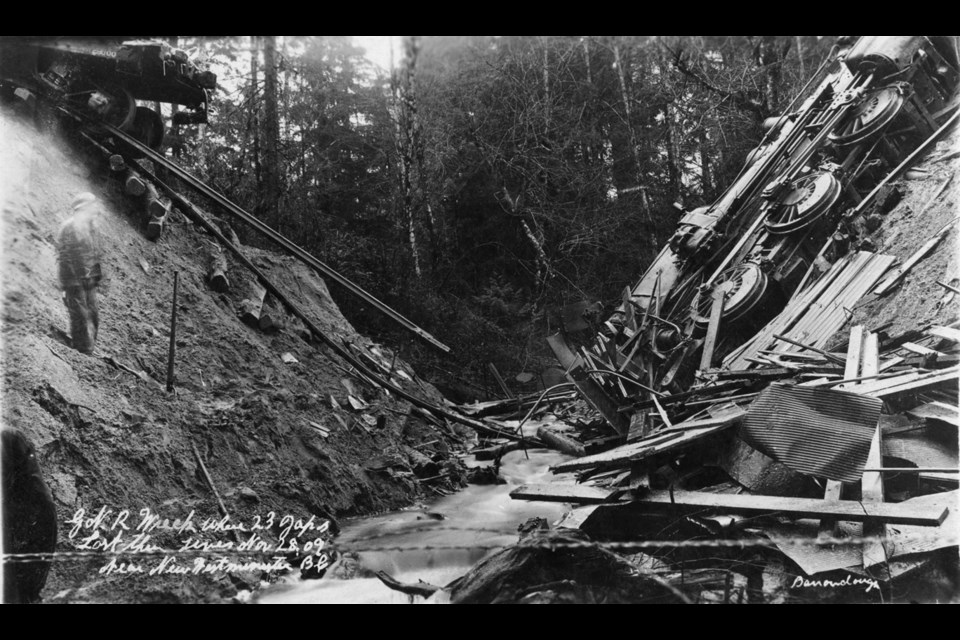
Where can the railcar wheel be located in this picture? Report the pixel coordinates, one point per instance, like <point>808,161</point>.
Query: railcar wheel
<point>745,284</point>
<point>147,127</point>
<point>809,198</point>
<point>874,113</point>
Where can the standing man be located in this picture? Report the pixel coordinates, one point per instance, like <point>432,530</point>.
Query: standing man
<point>79,249</point>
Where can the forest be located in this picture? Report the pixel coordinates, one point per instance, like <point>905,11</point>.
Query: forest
<point>485,184</point>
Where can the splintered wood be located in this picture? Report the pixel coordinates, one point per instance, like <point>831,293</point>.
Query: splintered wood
<point>815,315</point>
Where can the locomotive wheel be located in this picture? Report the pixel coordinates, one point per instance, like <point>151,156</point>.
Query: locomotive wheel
<point>147,127</point>
<point>877,110</point>
<point>809,198</point>
<point>122,109</point>
<point>745,285</point>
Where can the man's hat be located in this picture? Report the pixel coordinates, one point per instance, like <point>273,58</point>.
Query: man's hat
<point>83,199</point>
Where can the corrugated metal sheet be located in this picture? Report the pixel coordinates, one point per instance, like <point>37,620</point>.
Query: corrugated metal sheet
<point>820,432</point>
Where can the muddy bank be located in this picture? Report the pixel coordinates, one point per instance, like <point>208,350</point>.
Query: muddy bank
<point>280,424</point>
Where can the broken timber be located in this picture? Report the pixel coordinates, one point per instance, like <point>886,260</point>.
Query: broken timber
<point>696,501</point>
<point>217,268</point>
<point>560,442</point>
<point>573,493</point>
<point>592,391</point>
<point>678,436</point>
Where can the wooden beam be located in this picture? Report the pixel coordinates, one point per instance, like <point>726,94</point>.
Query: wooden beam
<point>500,382</point>
<point>591,390</point>
<point>852,510</point>
<point>834,489</point>
<point>953,335</point>
<point>560,442</point>
<point>871,484</point>
<point>919,349</point>
<point>917,256</point>
<point>572,493</point>
<point>716,313</point>
<point>828,356</point>
<point>661,442</point>
<point>948,287</point>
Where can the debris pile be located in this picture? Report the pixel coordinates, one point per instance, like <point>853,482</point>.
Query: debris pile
<point>794,395</point>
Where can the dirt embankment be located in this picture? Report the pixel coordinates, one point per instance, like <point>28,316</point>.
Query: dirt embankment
<point>925,208</point>
<point>107,437</point>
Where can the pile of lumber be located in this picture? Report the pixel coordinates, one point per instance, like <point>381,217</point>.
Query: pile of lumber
<point>701,460</point>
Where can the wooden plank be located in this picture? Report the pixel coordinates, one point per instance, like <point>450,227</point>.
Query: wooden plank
<point>934,476</point>
<point>892,362</point>
<point>553,492</point>
<point>919,349</point>
<point>668,440</point>
<point>910,539</point>
<point>892,386</point>
<point>948,287</point>
<point>953,335</point>
<point>852,510</point>
<point>916,470</point>
<point>832,493</point>
<point>716,312</point>
<point>871,356</point>
<point>797,306</point>
<point>591,390</point>
<point>828,356</point>
<point>917,256</point>
<point>828,526</point>
<point>854,356</point>
<point>871,484</point>
<point>663,414</point>
<point>937,411</point>
<point>708,422</point>
<point>871,489</point>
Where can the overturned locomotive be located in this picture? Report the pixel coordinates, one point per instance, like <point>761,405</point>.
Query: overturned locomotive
<point>782,221</point>
<point>106,76</point>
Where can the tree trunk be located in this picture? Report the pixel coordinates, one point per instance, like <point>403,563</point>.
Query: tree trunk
<point>628,114</point>
<point>586,60</point>
<point>254,106</point>
<point>803,67</point>
<point>271,131</point>
<point>706,181</point>
<point>408,142</point>
<point>546,85</point>
<point>673,155</point>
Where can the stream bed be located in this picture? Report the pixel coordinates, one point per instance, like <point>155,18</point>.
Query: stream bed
<point>437,542</point>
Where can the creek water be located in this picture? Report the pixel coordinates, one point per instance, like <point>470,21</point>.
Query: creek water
<point>475,522</point>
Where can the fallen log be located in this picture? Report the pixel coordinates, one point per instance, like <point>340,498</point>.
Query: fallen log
<point>560,442</point>
<point>252,305</point>
<point>217,269</point>
<point>492,453</point>
<point>423,589</point>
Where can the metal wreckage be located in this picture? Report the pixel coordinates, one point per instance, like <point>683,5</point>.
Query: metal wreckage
<point>735,417</point>
<point>714,380</point>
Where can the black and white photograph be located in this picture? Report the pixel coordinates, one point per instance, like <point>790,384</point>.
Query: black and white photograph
<point>480,319</point>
